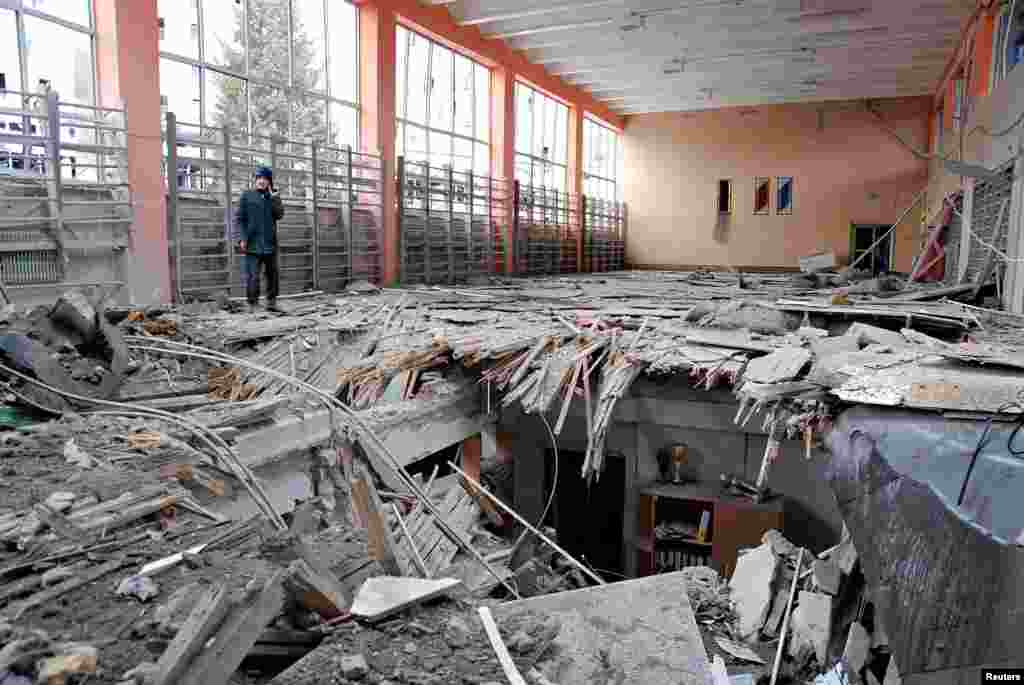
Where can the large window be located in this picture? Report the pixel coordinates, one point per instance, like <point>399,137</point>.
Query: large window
<point>48,45</point>
<point>263,66</point>
<point>542,142</point>
<point>442,106</point>
<point>601,160</point>
<point>45,45</point>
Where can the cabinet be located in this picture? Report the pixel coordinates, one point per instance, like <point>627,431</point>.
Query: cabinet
<point>735,522</point>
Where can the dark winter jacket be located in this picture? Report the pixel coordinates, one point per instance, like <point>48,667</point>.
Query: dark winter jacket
<point>256,221</point>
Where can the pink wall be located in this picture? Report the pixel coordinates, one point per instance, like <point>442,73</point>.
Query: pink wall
<point>851,172</point>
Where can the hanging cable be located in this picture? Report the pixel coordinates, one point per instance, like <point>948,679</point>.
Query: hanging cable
<point>554,484</point>
<point>984,441</point>
<point>214,442</point>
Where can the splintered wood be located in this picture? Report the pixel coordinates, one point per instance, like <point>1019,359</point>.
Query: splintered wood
<point>460,509</point>
<point>226,384</point>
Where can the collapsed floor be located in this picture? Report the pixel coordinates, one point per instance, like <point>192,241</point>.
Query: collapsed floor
<point>172,476</point>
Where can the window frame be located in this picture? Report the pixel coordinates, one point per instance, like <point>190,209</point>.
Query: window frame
<point>758,180</point>
<point>403,122</point>
<point>535,161</point>
<point>729,197</point>
<point>327,96</point>
<point>999,47</point>
<point>90,30</point>
<point>596,126</point>
<point>788,211</point>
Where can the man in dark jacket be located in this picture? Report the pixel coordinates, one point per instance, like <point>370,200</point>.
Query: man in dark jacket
<point>256,220</point>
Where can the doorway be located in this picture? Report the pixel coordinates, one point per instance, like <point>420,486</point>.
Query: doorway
<point>589,516</point>
<point>862,238</point>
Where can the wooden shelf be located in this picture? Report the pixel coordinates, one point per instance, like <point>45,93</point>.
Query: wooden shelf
<point>735,522</point>
<point>682,543</point>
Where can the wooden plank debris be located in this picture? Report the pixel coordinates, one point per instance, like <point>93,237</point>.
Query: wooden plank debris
<point>371,509</point>
<point>16,610</point>
<point>241,629</point>
<point>206,617</point>
<point>316,591</point>
<point>500,650</point>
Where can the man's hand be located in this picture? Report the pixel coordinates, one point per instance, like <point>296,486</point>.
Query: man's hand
<point>242,245</point>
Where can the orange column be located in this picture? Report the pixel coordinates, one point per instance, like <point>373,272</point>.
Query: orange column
<point>575,181</point>
<point>128,66</point>
<point>983,54</point>
<point>503,148</point>
<point>377,122</point>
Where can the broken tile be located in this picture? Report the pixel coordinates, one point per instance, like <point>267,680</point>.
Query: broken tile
<point>382,596</point>
<point>751,588</point>
<point>826,576</point>
<point>812,623</point>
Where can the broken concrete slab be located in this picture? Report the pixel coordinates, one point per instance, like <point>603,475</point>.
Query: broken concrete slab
<point>812,625</point>
<point>892,673</point>
<point>74,311</point>
<point>858,646</point>
<point>624,627</point>
<point>779,544</point>
<point>866,334</point>
<point>781,365</point>
<point>821,261</point>
<point>826,576</point>
<point>384,596</point>
<point>751,588</point>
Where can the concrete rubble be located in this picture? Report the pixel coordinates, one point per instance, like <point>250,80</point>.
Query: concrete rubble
<point>205,492</point>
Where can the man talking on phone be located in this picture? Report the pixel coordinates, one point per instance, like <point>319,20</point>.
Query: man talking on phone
<point>256,219</point>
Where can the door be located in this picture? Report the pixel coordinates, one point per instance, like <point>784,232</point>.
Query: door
<point>589,517</point>
<point>863,237</point>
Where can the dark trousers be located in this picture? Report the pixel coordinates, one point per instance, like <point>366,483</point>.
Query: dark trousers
<point>251,264</point>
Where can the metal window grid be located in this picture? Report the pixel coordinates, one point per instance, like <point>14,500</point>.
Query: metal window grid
<point>331,233</point>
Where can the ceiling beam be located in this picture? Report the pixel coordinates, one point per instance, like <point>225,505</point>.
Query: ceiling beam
<point>551,29</point>
<point>668,43</point>
<point>536,12</point>
<point>689,106</point>
<point>599,90</point>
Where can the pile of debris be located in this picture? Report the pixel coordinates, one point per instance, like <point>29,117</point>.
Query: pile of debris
<point>817,605</point>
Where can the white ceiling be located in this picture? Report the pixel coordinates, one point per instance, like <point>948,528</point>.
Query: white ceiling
<point>676,55</point>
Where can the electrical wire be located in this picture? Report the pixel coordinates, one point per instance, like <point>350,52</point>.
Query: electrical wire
<point>554,484</point>
<point>984,441</point>
<point>198,352</point>
<point>213,441</point>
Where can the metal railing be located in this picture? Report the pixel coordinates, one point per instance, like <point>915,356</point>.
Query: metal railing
<point>604,235</point>
<point>64,180</point>
<point>451,224</point>
<point>331,233</point>
<point>547,227</point>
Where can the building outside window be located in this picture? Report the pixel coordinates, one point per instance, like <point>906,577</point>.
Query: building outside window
<point>602,159</point>
<point>262,66</point>
<point>46,45</point>
<point>442,106</point>
<point>542,145</point>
